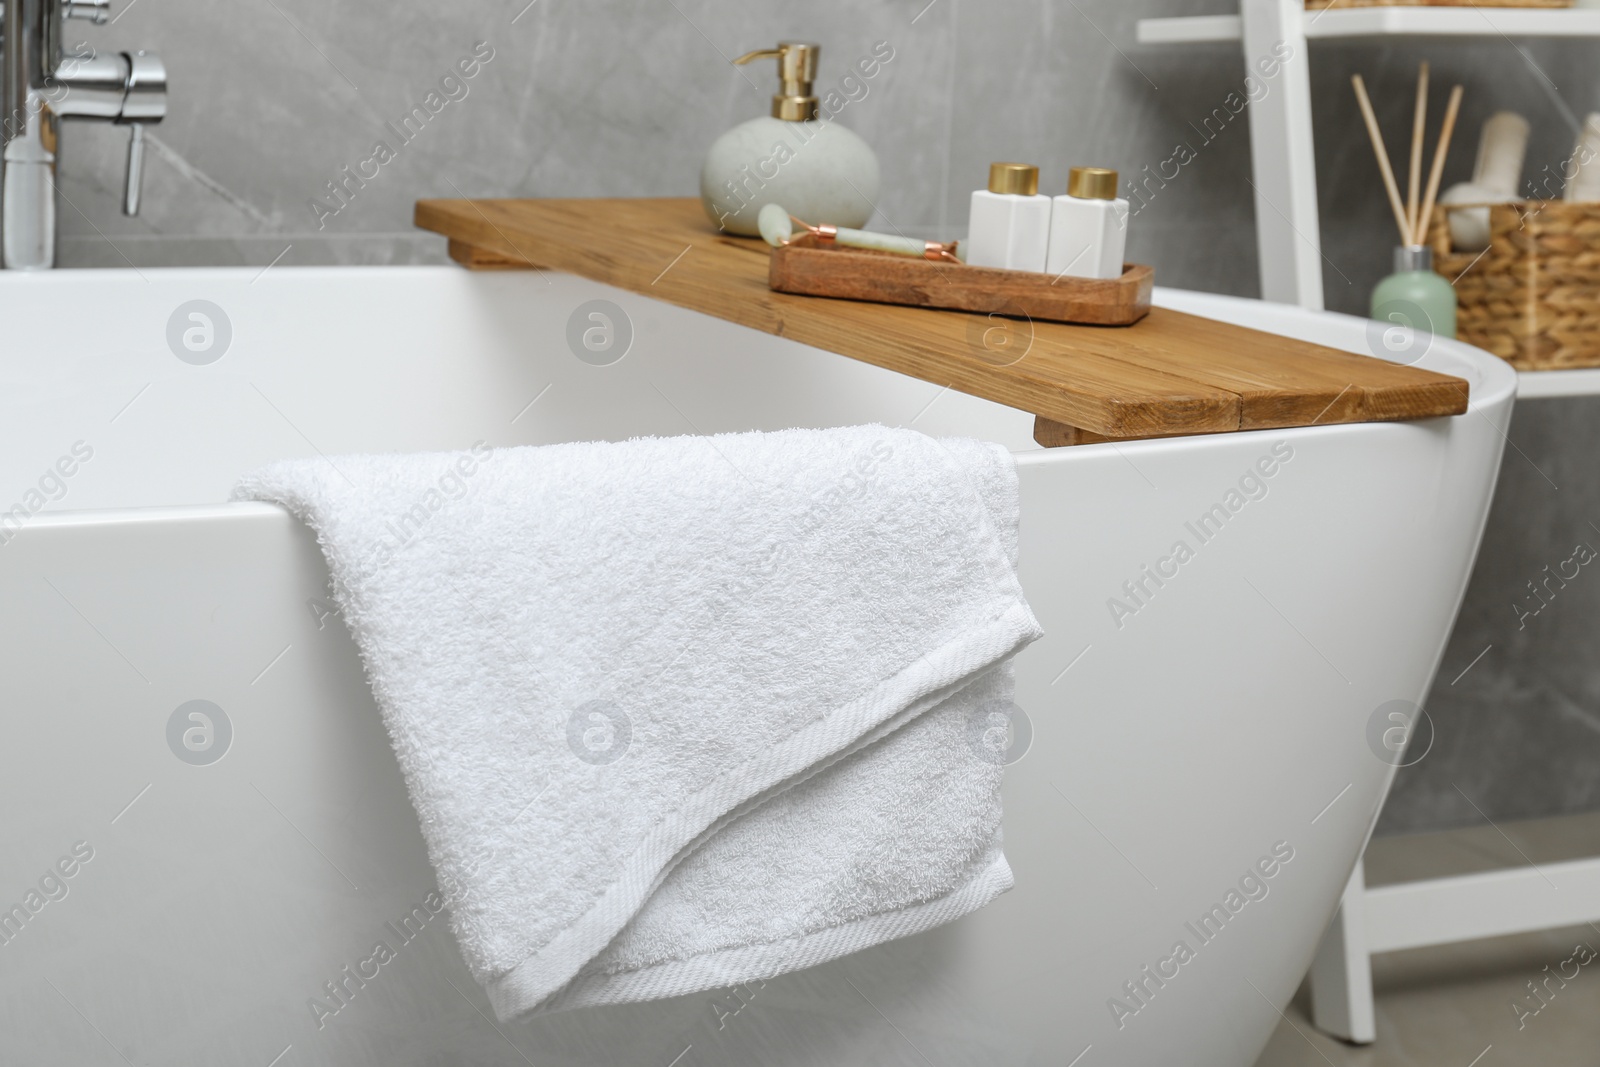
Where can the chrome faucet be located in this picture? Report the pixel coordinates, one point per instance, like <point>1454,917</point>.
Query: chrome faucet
<point>43,82</point>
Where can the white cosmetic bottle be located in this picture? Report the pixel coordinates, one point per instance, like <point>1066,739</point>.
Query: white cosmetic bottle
<point>1088,226</point>
<point>1010,222</point>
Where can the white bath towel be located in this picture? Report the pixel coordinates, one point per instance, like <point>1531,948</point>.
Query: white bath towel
<point>681,713</point>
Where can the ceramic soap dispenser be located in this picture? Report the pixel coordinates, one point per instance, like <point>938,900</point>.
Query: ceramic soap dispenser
<point>817,170</point>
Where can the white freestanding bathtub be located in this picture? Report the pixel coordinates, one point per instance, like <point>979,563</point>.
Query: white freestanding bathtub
<point>180,889</point>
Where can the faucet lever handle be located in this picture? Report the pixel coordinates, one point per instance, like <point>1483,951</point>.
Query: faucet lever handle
<point>144,102</point>
<point>95,11</point>
<point>135,178</point>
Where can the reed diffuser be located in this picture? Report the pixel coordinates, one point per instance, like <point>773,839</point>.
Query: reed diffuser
<point>1414,296</point>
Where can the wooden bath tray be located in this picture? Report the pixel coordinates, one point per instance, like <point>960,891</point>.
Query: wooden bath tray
<point>854,274</point>
<point>1166,375</point>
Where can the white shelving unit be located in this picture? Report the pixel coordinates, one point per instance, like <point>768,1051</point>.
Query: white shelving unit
<point>1285,174</point>
<point>1387,22</point>
<point>1288,238</point>
<point>1533,385</point>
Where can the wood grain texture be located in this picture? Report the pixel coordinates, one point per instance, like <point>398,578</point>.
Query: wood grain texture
<point>856,274</point>
<point>474,258</point>
<point>1058,434</point>
<point>1167,374</point>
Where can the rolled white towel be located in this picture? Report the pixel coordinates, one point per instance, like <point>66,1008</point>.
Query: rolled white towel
<point>1469,227</point>
<point>1502,148</point>
<point>1583,181</point>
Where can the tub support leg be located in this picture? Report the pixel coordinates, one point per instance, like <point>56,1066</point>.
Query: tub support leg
<point>1341,974</point>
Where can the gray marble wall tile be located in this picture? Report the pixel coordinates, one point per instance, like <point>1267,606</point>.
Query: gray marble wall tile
<point>271,98</point>
<point>1061,84</point>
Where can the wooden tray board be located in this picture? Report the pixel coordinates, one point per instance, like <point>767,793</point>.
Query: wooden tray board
<point>801,266</point>
<point>1166,375</point>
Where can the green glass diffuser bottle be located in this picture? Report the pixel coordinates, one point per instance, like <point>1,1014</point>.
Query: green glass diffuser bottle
<point>1415,296</point>
<point>1414,304</point>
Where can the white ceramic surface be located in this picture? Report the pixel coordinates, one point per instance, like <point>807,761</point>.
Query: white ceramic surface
<point>1088,238</point>
<point>1229,714</point>
<point>1010,231</point>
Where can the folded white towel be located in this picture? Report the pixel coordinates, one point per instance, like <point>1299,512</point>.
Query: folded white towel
<point>679,713</point>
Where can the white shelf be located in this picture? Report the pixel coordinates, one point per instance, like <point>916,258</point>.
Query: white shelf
<point>1536,384</point>
<point>1389,22</point>
<point>1190,30</point>
<point>1468,907</point>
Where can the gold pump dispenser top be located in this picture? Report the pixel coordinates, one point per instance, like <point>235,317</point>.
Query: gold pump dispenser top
<point>797,69</point>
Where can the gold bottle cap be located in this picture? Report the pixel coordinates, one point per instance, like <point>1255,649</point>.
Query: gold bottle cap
<point>797,69</point>
<point>1019,178</point>
<point>1092,183</point>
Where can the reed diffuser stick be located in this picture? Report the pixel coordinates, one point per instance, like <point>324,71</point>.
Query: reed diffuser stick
<point>1383,158</point>
<point>1450,112</point>
<point>1419,128</point>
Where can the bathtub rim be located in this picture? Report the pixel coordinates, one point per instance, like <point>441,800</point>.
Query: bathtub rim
<point>1496,376</point>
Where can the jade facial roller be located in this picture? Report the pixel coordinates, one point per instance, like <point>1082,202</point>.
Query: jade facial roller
<point>777,226</point>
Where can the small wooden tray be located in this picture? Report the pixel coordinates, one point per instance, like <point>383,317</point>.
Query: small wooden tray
<point>857,274</point>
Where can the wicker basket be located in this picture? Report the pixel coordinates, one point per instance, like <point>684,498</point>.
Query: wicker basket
<point>1533,298</point>
<point>1317,5</point>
